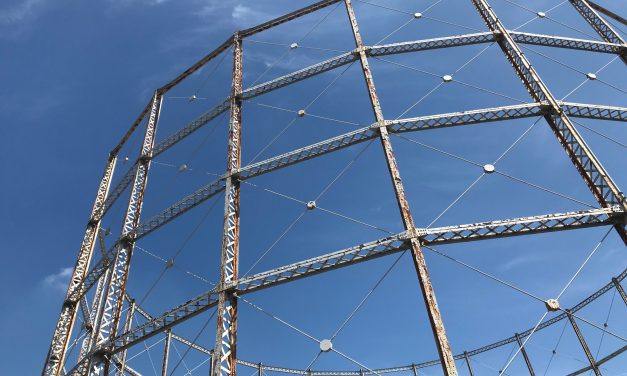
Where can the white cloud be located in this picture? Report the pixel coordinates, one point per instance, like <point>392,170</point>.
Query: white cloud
<point>19,13</point>
<point>58,281</point>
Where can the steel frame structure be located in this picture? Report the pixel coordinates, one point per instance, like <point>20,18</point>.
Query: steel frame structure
<point>102,344</point>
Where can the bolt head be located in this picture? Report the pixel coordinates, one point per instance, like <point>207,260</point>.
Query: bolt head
<point>193,98</point>
<point>591,76</point>
<point>488,168</point>
<point>183,168</point>
<point>326,345</point>
<point>301,113</point>
<point>541,14</point>
<point>417,15</point>
<point>447,78</point>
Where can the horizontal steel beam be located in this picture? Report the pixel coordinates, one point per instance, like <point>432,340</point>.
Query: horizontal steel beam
<point>429,44</point>
<point>369,251</point>
<point>337,143</point>
<point>521,226</point>
<point>164,145</point>
<point>564,42</point>
<point>286,18</point>
<point>343,141</point>
<point>430,363</point>
<point>426,44</point>
<point>591,111</point>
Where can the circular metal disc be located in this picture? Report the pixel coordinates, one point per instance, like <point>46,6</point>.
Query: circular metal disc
<point>488,168</point>
<point>417,15</point>
<point>447,78</point>
<point>325,345</point>
<point>591,76</point>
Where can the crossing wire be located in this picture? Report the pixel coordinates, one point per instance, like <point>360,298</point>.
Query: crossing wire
<point>600,134</point>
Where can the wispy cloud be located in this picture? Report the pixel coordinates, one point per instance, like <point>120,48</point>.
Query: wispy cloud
<point>58,281</point>
<point>518,261</point>
<point>20,12</point>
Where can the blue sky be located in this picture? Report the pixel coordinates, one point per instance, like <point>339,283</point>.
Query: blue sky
<point>75,75</point>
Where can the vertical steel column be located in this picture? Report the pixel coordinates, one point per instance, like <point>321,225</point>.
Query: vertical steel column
<point>524,353</point>
<point>598,180</point>
<point>112,308</point>
<point>583,343</point>
<point>58,346</point>
<point>413,368</point>
<point>467,358</point>
<point>224,351</point>
<point>260,369</point>
<point>96,305</point>
<point>435,318</point>
<point>620,289</point>
<point>128,323</point>
<point>166,352</point>
<point>599,25</point>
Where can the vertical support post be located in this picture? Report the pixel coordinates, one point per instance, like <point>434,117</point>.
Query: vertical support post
<point>602,27</point>
<point>166,352</point>
<point>414,370</point>
<point>467,358</point>
<point>112,307</point>
<point>96,305</point>
<point>583,343</point>
<point>128,324</point>
<point>598,180</point>
<point>224,351</point>
<point>260,369</point>
<point>63,330</point>
<point>524,353</point>
<point>620,289</point>
<point>433,312</point>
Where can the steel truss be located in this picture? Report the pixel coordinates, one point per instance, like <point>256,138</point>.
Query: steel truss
<point>369,251</point>
<point>464,355</point>
<point>102,345</point>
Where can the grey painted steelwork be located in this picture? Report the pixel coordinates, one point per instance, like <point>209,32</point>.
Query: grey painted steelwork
<point>63,330</point>
<point>620,290</point>
<point>111,271</point>
<point>467,359</point>
<point>414,366</point>
<point>369,251</point>
<point>112,308</point>
<point>607,12</point>
<point>599,25</point>
<point>525,355</point>
<point>600,361</point>
<point>166,353</point>
<point>584,345</point>
<point>598,180</point>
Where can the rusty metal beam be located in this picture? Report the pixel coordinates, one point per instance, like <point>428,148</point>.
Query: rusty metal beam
<point>56,353</point>
<point>602,27</point>
<point>594,175</point>
<point>128,324</point>
<point>224,355</point>
<point>112,308</point>
<point>428,294</point>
